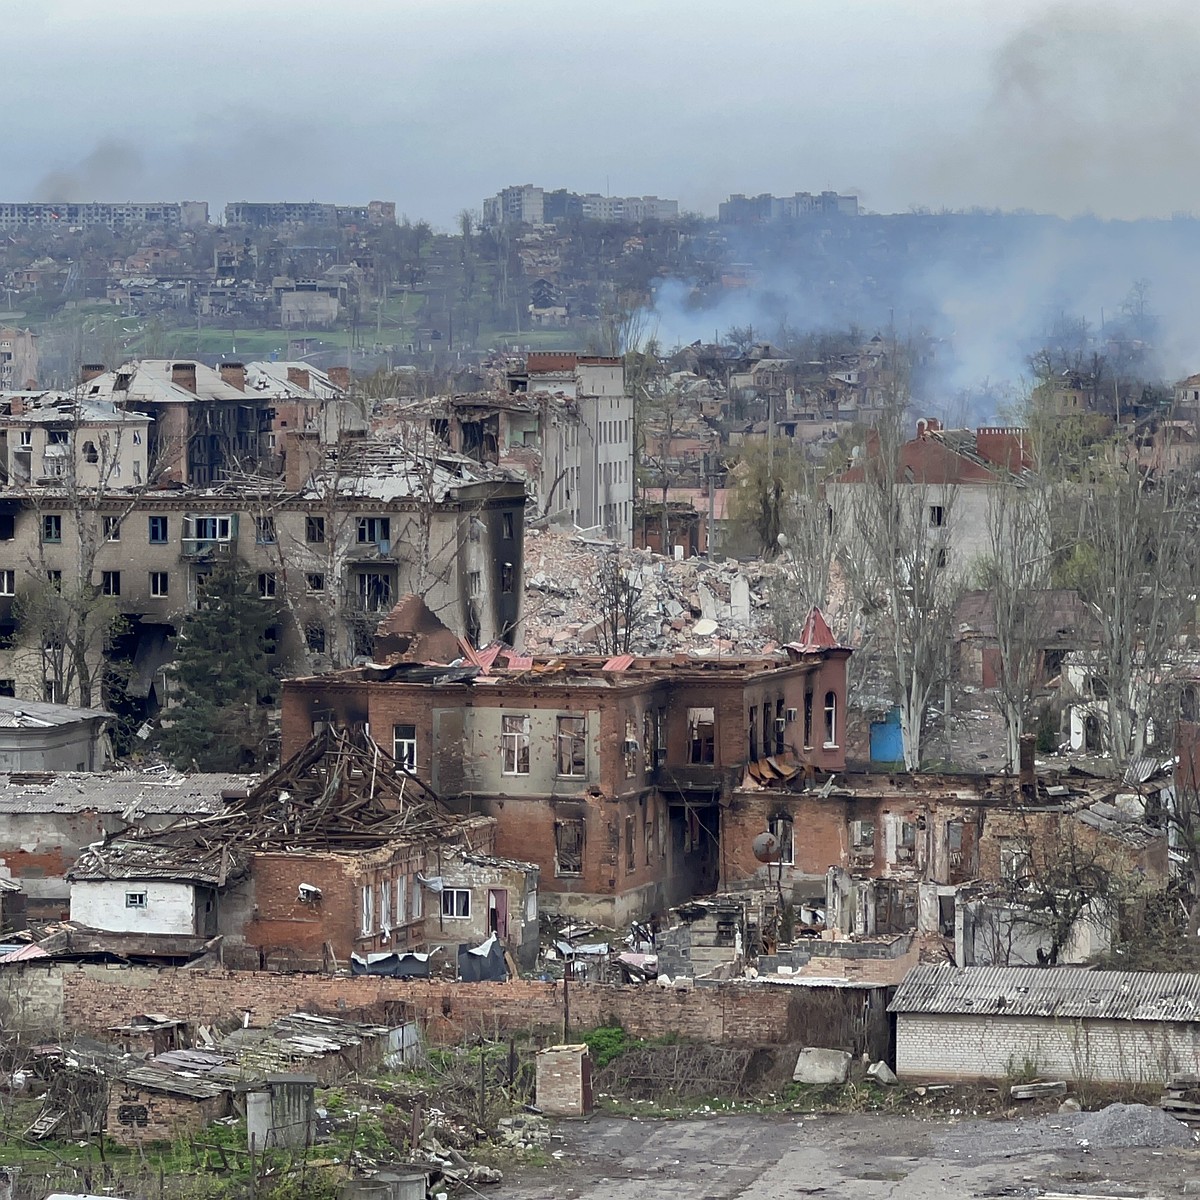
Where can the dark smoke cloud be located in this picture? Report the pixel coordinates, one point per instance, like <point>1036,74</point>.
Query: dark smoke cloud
<point>112,170</point>
<point>1091,108</point>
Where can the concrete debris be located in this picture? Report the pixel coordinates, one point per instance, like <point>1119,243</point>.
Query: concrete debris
<point>1038,1091</point>
<point>691,605</point>
<point>817,1066</point>
<point>524,1131</point>
<point>1133,1125</point>
<point>882,1073</point>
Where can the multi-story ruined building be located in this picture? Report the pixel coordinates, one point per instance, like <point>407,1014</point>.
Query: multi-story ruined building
<point>186,214</point>
<point>610,774</point>
<point>101,494</point>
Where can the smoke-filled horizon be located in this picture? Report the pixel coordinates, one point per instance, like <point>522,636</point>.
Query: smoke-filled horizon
<point>992,287</point>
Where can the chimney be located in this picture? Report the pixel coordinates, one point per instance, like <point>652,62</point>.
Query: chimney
<point>298,376</point>
<point>301,457</point>
<point>339,377</point>
<point>89,371</point>
<point>183,374</point>
<point>16,407</point>
<point>234,374</point>
<point>1028,776</point>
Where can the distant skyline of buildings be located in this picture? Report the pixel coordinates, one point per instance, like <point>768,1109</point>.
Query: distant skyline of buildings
<point>519,204</point>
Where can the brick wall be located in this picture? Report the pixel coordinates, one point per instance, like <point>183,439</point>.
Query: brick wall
<point>136,1115</point>
<point>934,1046</point>
<point>736,1014</point>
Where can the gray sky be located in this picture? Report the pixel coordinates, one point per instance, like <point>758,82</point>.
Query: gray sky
<point>436,103</point>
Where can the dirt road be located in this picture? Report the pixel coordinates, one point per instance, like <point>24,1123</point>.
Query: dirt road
<point>864,1157</point>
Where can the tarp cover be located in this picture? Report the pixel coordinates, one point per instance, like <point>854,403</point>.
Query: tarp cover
<point>484,962</point>
<point>394,965</point>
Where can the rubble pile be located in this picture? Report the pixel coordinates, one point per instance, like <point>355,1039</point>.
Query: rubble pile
<point>689,605</point>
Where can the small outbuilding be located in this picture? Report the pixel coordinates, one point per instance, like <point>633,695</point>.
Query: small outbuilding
<point>1063,1022</point>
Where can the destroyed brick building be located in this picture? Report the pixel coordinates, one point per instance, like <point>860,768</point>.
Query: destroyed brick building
<point>335,854</point>
<point>609,772</point>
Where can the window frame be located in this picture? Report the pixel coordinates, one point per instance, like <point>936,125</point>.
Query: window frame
<point>408,742</point>
<point>160,593</point>
<point>110,583</point>
<point>577,738</point>
<point>458,898</point>
<point>137,900</point>
<point>111,528</point>
<point>314,530</point>
<point>153,523</point>
<point>8,581</point>
<point>268,585</point>
<point>515,745</point>
<point>51,522</point>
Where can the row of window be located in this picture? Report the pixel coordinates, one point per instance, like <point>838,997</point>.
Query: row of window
<point>376,911</point>
<point>570,743</point>
<point>369,530</point>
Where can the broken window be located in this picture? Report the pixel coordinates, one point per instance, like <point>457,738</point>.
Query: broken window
<point>314,638</point>
<point>781,826</point>
<point>780,726</point>
<point>507,578</point>
<point>937,516</point>
<point>631,748</point>
<point>506,522</point>
<point>314,581</point>
<point>374,591</point>
<point>456,903</point>
<point>266,585</point>
<point>373,529</point>
<point>264,531</point>
<point>51,527</point>
<point>830,719</point>
<point>402,884</point>
<point>110,583</point>
<point>808,717</point>
<point>768,737</point>
<point>404,746</point>
<point>660,737</point>
<point>572,746</point>
<point>568,847</point>
<point>514,738</point>
<point>416,899</point>
<point>1187,703</point>
<point>135,899</point>
<point>314,529</point>
<point>630,864</point>
<point>862,835</point>
<point>385,906</point>
<point>954,836</point>
<point>8,583</point>
<point>112,529</point>
<point>648,836</point>
<point>753,739</point>
<point>158,531</point>
<point>702,730</point>
<point>1016,861</point>
<point>366,922</point>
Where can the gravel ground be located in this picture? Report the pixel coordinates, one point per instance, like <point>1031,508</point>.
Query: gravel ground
<point>1132,1152</point>
<point>1119,1126</point>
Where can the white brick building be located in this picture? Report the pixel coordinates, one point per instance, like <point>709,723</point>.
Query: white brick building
<point>1060,1022</point>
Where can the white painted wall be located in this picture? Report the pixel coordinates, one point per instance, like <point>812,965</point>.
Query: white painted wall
<point>934,1046</point>
<point>170,907</point>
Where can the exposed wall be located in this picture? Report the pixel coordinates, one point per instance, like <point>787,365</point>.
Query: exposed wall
<point>990,1047</point>
<point>103,904</point>
<point>74,747</point>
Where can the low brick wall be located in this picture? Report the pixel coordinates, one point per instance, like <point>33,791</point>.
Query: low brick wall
<point>745,1014</point>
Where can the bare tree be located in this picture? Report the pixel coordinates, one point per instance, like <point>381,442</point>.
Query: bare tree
<point>1016,575</point>
<point>894,550</point>
<point>621,606</point>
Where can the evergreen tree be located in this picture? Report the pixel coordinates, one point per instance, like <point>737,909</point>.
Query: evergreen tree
<point>224,676</point>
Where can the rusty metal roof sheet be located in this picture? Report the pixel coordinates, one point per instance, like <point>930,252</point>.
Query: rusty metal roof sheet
<point>1055,992</point>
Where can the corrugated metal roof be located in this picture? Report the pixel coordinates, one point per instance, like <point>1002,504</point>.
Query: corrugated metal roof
<point>1064,992</point>
<point>116,791</point>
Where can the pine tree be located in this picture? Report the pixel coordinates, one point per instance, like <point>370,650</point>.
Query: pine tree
<point>224,676</point>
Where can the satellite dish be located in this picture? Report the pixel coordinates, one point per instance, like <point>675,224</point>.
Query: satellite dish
<point>766,847</point>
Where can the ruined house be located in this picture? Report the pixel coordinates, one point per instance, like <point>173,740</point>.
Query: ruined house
<point>336,853</point>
